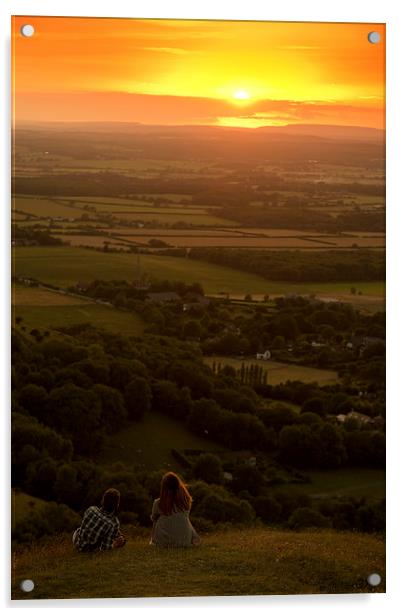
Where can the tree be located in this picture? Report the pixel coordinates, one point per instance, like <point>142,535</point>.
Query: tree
<point>192,329</point>
<point>76,413</point>
<point>310,419</point>
<point>67,353</point>
<point>314,405</point>
<point>267,508</point>
<point>278,415</point>
<point>97,371</point>
<point>208,467</point>
<point>122,370</point>
<point>278,342</point>
<point>299,446</point>
<point>113,410</point>
<point>31,442</point>
<point>286,326</point>
<point>233,400</point>
<point>40,478</point>
<point>333,452</point>
<point>189,374</point>
<point>248,478</point>
<point>171,400</point>
<point>305,517</point>
<point>33,398</point>
<point>66,486</point>
<point>138,397</point>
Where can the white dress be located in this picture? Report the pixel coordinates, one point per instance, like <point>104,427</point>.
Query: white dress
<point>174,530</point>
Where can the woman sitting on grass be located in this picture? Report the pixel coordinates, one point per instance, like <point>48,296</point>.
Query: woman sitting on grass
<point>170,515</point>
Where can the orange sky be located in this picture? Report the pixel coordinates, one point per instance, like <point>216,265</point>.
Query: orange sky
<point>198,72</point>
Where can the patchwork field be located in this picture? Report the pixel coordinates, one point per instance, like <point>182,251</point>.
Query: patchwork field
<point>279,372</point>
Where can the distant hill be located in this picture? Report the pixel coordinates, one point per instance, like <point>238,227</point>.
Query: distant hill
<point>257,561</point>
<point>323,131</point>
<point>327,131</point>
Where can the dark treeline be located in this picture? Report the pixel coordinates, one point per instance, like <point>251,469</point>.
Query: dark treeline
<point>305,218</point>
<point>39,237</point>
<point>222,191</point>
<point>297,265</point>
<point>100,184</point>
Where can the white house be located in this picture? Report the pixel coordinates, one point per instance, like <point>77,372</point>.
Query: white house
<point>264,356</point>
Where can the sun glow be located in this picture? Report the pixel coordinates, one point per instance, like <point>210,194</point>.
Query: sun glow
<point>241,95</point>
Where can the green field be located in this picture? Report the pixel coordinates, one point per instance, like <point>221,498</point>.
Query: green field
<point>66,266</point>
<point>279,372</point>
<point>44,207</point>
<point>149,443</point>
<point>256,561</point>
<point>44,309</point>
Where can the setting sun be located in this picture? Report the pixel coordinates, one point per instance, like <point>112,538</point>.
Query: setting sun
<point>241,95</point>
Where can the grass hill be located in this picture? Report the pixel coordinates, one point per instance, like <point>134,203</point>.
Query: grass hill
<point>232,562</point>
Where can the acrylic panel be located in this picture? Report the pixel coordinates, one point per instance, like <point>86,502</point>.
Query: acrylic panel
<point>198,289</point>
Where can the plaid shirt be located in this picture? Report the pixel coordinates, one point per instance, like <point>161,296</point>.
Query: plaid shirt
<point>98,530</point>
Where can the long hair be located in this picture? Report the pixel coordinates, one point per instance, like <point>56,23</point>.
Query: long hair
<point>173,495</point>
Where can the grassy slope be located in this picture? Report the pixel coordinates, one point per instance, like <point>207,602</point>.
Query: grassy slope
<point>366,483</point>
<point>355,482</point>
<point>65,266</point>
<point>22,505</point>
<point>236,562</point>
<point>149,443</point>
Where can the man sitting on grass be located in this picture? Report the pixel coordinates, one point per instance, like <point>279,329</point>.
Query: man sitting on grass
<point>100,528</point>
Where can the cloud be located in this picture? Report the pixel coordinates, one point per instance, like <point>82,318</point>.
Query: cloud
<point>298,47</point>
<point>173,50</point>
